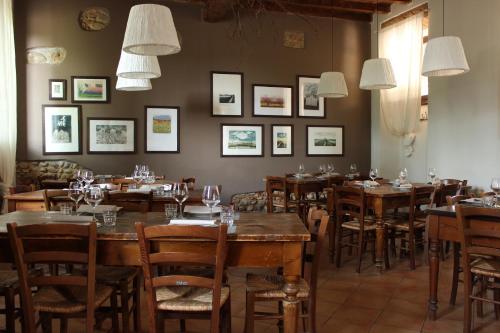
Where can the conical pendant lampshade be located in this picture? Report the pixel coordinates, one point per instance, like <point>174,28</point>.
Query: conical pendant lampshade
<point>150,31</point>
<point>332,85</point>
<point>133,66</point>
<point>377,74</point>
<point>444,56</point>
<point>133,84</point>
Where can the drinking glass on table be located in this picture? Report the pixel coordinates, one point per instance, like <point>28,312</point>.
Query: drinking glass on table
<point>321,169</point>
<point>88,177</point>
<point>75,193</point>
<point>211,197</point>
<point>330,168</point>
<point>353,168</point>
<point>495,185</point>
<point>93,197</point>
<point>77,175</point>
<point>301,169</point>
<point>180,193</point>
<point>432,174</point>
<point>403,173</point>
<point>373,174</point>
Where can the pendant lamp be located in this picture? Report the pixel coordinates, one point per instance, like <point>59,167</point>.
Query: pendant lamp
<point>150,31</point>
<point>124,84</point>
<point>377,73</point>
<point>444,56</point>
<point>133,66</point>
<point>332,84</point>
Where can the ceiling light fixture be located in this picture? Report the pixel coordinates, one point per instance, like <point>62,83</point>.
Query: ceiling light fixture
<point>124,84</point>
<point>133,66</point>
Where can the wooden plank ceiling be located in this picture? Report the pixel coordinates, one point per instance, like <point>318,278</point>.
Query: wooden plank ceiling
<point>359,10</point>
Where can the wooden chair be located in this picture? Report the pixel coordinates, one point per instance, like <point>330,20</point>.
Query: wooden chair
<point>190,182</point>
<point>276,193</point>
<point>22,188</point>
<point>352,221</point>
<point>9,288</point>
<point>266,288</point>
<point>58,296</point>
<point>130,201</point>
<point>406,229</point>
<point>445,190</point>
<point>49,198</point>
<point>182,295</point>
<point>479,257</point>
<point>462,185</point>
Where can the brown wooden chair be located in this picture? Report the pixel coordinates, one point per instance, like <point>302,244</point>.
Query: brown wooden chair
<point>278,199</point>
<point>266,288</point>
<point>445,190</point>
<point>9,288</point>
<point>49,198</point>
<point>480,258</point>
<point>22,188</point>
<point>65,296</point>
<point>190,182</point>
<point>462,185</point>
<point>130,201</point>
<point>182,295</point>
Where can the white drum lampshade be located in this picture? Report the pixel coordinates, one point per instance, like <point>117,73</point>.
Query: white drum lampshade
<point>124,84</point>
<point>377,74</point>
<point>133,66</point>
<point>332,85</point>
<point>444,56</point>
<point>150,31</point>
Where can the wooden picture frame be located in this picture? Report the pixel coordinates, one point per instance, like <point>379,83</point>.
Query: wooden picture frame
<point>226,94</point>
<point>242,140</point>
<point>57,89</point>
<point>62,129</point>
<point>90,89</point>
<point>272,101</point>
<point>116,135</point>
<point>314,106</point>
<point>162,129</point>
<point>282,145</point>
<point>324,140</point>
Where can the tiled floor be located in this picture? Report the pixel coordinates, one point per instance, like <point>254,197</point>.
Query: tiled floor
<point>394,302</point>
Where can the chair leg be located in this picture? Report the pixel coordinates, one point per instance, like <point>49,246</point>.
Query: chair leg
<point>456,269</point>
<point>483,281</point>
<point>332,233</point>
<point>64,325</point>
<point>496,297</point>
<point>46,320</point>
<point>411,249</point>
<point>249,313</point>
<point>351,240</point>
<point>136,299</point>
<point>124,305</point>
<point>227,314</point>
<point>114,312</point>
<point>182,325</point>
<point>361,240</point>
<point>10,310</point>
<point>311,315</point>
<point>468,303</point>
<point>386,248</point>
<point>338,245</point>
<point>281,324</point>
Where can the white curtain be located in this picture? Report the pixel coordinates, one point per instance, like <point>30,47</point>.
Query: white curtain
<point>8,96</point>
<point>402,44</point>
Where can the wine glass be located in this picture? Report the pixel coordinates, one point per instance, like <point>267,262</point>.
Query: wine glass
<point>301,168</point>
<point>403,173</point>
<point>432,174</point>
<point>321,169</point>
<point>330,168</point>
<point>77,175</point>
<point>373,174</point>
<point>88,177</point>
<point>353,168</point>
<point>180,193</point>
<point>75,193</point>
<point>93,197</point>
<point>495,185</point>
<point>211,197</point>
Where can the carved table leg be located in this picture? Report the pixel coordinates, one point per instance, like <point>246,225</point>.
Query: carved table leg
<point>435,248</point>
<point>291,305</point>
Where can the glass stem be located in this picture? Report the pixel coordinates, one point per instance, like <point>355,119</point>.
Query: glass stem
<point>211,213</point>
<point>180,210</point>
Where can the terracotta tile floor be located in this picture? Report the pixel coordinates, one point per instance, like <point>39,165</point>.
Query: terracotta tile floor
<point>395,302</point>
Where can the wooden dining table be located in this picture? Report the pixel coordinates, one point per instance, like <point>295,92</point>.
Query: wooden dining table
<point>254,240</point>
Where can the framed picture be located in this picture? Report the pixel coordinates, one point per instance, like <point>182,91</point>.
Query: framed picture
<point>325,140</point>
<point>226,93</point>
<point>161,129</point>
<point>90,89</point>
<point>242,140</point>
<point>57,90</point>
<point>282,140</point>
<point>309,105</point>
<point>111,135</point>
<point>62,129</point>
<point>272,101</point>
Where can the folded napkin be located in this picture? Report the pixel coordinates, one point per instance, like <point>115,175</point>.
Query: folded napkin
<point>99,209</point>
<point>192,222</point>
<point>69,218</point>
<point>201,209</point>
<point>407,185</point>
<point>371,183</point>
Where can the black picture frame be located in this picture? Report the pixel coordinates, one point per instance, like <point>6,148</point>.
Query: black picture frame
<point>79,130</point>
<point>273,154</point>
<point>65,90</point>
<point>222,126</point>
<point>89,151</point>
<point>82,101</point>
<point>342,146</point>
<point>242,98</point>
<point>298,101</point>
<point>178,124</point>
<point>256,85</point>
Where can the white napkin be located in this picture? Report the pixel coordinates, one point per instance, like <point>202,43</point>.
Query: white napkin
<point>192,222</point>
<point>371,183</point>
<point>99,209</point>
<point>201,209</point>
<point>138,190</point>
<point>69,218</point>
<point>407,185</point>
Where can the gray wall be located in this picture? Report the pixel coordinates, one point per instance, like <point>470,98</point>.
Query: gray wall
<point>185,82</point>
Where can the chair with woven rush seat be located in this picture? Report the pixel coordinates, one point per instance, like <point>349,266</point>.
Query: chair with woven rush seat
<point>9,288</point>
<point>185,296</point>
<point>71,295</point>
<point>479,257</point>
<point>267,288</point>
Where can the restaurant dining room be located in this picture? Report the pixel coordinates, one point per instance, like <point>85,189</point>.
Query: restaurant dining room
<point>249,166</point>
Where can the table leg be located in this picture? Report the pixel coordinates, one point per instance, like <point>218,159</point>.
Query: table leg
<point>292,265</point>
<point>380,235</point>
<point>434,249</point>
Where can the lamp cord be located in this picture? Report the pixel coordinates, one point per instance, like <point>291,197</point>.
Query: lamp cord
<point>443,18</point>
<point>376,13</point>
<point>332,34</point>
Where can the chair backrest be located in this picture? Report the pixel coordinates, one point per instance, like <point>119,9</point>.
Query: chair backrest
<point>22,188</point>
<point>452,200</point>
<point>152,256</point>
<point>420,196</point>
<point>330,199</point>
<point>130,201</point>
<point>50,195</point>
<point>52,244</point>
<point>476,237</point>
<point>350,201</point>
<point>190,181</point>
<point>445,190</point>
<point>275,183</point>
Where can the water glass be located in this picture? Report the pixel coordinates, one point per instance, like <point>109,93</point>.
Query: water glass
<point>495,185</point>
<point>331,168</point>
<point>171,211</point>
<point>402,175</point>
<point>65,208</point>
<point>432,174</point>
<point>301,168</point>
<point>109,217</point>
<point>353,168</point>
<point>489,201</point>
<point>227,215</point>
<point>373,174</point>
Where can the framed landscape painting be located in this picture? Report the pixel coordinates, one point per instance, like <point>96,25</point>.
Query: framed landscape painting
<point>61,127</point>
<point>272,101</point>
<point>239,140</point>
<point>111,135</point>
<point>309,105</point>
<point>57,90</point>
<point>226,93</point>
<point>325,140</point>
<point>161,129</point>
<point>282,140</point>
<point>90,89</point>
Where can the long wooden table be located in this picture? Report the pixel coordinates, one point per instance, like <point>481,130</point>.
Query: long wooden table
<point>255,240</point>
<point>33,201</point>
